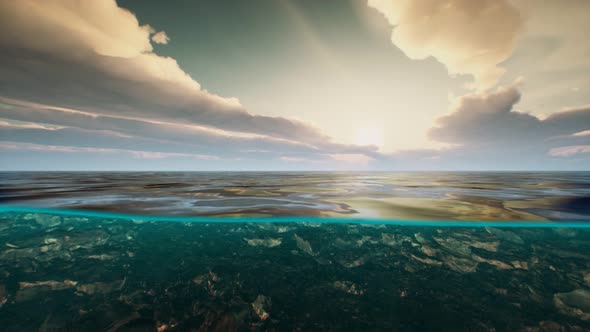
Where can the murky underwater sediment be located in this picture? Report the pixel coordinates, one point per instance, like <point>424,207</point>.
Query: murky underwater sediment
<point>88,273</point>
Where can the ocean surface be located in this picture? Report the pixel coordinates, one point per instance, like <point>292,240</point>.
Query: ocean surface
<point>302,251</point>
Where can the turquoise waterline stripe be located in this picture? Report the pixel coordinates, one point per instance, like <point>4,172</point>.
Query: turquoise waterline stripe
<point>299,219</point>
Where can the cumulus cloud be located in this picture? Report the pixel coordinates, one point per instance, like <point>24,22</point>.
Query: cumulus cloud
<point>59,26</point>
<point>477,118</point>
<point>486,131</point>
<point>95,57</point>
<point>82,77</point>
<point>468,37</point>
<point>487,124</point>
<point>160,38</point>
<point>490,118</point>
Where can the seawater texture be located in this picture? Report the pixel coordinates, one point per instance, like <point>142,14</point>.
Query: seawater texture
<point>294,252</point>
<point>556,196</point>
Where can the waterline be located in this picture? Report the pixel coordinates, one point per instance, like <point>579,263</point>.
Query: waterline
<point>297,219</point>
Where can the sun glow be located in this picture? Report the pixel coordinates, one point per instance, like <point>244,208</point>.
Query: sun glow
<point>369,136</point>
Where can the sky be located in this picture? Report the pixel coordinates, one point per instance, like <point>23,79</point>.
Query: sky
<point>295,85</point>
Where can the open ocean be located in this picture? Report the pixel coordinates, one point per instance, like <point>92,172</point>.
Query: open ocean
<point>300,251</point>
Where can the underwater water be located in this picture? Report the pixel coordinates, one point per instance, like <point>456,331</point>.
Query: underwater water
<point>295,251</point>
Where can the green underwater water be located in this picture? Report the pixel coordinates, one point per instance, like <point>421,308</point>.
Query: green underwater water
<point>65,270</point>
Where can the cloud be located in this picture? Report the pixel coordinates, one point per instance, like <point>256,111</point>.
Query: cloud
<point>11,125</point>
<point>72,149</point>
<point>160,38</point>
<point>82,77</point>
<point>568,151</point>
<point>486,131</point>
<point>100,86</point>
<point>85,127</point>
<point>486,127</point>
<point>468,37</point>
<point>582,133</point>
<point>59,26</point>
<point>95,57</point>
<point>154,141</point>
<point>490,118</point>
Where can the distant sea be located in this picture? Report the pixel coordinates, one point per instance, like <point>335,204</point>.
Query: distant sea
<point>483,196</point>
<point>294,251</point>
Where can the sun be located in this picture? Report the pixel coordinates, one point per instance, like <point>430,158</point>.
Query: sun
<point>369,136</point>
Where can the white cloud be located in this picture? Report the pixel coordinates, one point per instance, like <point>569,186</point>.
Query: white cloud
<point>95,57</point>
<point>88,91</point>
<point>83,129</point>
<point>568,151</point>
<point>467,36</point>
<point>490,118</point>
<point>488,132</point>
<point>7,145</point>
<point>59,26</point>
<point>160,38</point>
<point>582,133</point>
<point>84,78</point>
